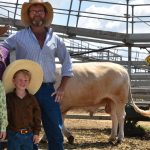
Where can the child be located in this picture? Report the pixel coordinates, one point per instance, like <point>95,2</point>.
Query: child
<point>21,79</point>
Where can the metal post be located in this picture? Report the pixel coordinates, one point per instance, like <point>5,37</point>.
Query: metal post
<point>69,12</point>
<point>78,13</point>
<point>127,17</point>
<point>132,19</point>
<point>15,11</point>
<point>129,60</point>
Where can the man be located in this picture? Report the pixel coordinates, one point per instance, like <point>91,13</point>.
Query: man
<point>37,42</point>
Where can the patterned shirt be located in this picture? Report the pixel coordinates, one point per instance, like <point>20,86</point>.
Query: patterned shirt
<point>26,46</point>
<point>3,110</point>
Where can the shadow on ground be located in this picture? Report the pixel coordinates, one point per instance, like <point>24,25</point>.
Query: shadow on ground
<point>89,139</point>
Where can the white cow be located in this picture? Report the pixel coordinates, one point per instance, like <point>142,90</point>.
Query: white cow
<point>95,85</point>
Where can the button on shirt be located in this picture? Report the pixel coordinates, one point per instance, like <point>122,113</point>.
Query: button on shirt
<point>27,47</point>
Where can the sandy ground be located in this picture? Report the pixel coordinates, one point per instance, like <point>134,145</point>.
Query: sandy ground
<point>94,134</point>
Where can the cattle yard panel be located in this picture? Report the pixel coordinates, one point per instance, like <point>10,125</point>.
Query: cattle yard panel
<point>85,116</point>
<point>140,83</point>
<point>140,86</point>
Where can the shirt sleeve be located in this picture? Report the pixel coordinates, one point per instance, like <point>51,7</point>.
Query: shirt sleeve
<point>37,117</point>
<point>64,58</point>
<point>10,42</point>
<point>3,110</point>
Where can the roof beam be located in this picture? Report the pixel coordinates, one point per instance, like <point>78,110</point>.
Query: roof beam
<point>73,32</point>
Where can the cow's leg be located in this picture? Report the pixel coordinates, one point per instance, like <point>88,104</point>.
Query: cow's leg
<point>114,119</point>
<point>67,133</point>
<point>121,117</point>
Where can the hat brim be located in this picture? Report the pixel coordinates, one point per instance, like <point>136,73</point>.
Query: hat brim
<point>24,13</point>
<point>33,67</point>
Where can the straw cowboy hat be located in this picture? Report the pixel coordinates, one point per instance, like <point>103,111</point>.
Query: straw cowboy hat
<point>25,7</point>
<point>33,67</point>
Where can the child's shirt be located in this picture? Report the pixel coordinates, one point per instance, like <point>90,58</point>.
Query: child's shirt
<point>3,110</point>
<point>23,113</point>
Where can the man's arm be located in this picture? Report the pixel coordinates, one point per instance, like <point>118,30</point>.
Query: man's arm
<point>66,70</point>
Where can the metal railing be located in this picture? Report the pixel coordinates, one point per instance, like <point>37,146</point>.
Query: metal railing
<point>73,16</point>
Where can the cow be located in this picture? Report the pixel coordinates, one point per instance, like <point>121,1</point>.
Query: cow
<point>94,85</point>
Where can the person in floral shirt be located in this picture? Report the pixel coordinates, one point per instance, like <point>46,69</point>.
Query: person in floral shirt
<point>3,113</point>
<point>3,109</point>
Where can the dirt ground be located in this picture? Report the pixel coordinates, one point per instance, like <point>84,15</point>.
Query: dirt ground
<point>94,134</point>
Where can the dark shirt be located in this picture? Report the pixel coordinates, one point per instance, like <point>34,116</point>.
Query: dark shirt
<point>23,113</point>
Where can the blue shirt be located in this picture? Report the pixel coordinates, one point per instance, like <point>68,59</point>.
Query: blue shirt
<point>26,46</point>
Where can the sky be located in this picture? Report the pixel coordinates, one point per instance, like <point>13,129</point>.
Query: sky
<point>103,8</point>
<point>100,8</point>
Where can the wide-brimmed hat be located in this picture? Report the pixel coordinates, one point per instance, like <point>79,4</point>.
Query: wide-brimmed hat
<point>25,7</point>
<point>33,67</point>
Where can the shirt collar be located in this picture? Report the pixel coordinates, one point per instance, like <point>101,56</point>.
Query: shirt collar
<point>14,92</point>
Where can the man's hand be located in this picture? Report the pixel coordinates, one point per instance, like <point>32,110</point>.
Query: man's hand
<point>2,135</point>
<point>59,94</point>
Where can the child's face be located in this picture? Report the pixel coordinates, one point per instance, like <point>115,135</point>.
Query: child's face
<point>21,81</point>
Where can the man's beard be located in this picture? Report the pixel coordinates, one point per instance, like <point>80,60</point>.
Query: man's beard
<point>37,22</point>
